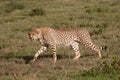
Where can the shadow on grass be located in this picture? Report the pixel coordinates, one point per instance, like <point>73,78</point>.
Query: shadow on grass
<point>88,55</point>
<point>27,59</point>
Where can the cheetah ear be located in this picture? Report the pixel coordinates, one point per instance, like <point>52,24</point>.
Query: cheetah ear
<point>36,31</point>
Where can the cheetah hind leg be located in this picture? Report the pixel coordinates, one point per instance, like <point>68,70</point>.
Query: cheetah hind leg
<point>75,47</point>
<point>77,55</point>
<point>94,48</point>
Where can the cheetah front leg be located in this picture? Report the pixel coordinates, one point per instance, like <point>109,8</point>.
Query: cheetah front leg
<point>40,51</point>
<point>75,47</point>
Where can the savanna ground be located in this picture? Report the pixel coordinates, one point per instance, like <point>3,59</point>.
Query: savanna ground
<point>100,17</point>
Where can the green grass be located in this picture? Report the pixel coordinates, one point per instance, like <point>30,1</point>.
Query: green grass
<point>12,6</point>
<point>37,12</point>
<point>101,18</point>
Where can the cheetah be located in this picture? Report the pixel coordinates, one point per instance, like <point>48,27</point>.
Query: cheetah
<point>49,37</point>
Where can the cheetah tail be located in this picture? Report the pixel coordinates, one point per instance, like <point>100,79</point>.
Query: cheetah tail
<point>103,47</point>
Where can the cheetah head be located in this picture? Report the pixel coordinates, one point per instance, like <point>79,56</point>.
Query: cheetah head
<point>33,35</point>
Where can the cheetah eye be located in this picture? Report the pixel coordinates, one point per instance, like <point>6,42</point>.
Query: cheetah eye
<point>29,34</point>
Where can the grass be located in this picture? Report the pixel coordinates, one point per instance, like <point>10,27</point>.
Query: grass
<point>12,6</point>
<point>101,18</point>
<point>37,12</point>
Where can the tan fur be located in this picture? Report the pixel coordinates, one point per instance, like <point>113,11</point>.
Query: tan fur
<point>49,37</point>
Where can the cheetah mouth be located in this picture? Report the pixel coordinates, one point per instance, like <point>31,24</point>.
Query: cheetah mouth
<point>31,38</point>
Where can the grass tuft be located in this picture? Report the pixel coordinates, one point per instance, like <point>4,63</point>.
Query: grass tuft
<point>37,12</point>
<point>14,5</point>
<point>106,67</point>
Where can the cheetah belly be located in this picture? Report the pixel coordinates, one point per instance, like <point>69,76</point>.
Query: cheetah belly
<point>64,43</point>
